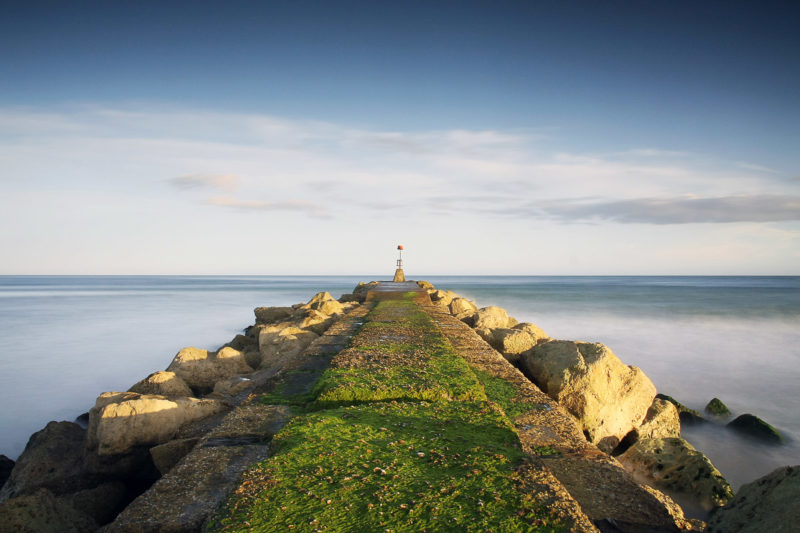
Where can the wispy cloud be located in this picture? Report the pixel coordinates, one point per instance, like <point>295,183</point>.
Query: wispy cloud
<point>255,205</point>
<point>757,168</point>
<point>226,182</point>
<point>756,208</point>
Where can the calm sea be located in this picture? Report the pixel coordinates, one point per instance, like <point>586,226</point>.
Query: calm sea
<point>63,340</point>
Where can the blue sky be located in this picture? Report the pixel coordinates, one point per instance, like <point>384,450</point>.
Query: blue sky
<point>487,137</point>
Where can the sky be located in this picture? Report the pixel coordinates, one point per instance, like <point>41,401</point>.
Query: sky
<point>298,137</point>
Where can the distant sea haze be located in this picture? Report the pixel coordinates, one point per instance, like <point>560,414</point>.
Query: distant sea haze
<point>65,339</point>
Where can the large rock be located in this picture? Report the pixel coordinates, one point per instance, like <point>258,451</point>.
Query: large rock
<point>276,344</point>
<point>52,459</point>
<point>427,285</point>
<point>201,369</point>
<point>717,409</point>
<point>463,309</point>
<point>443,298</point>
<point>162,383</point>
<point>120,421</point>
<point>165,456</point>
<point>316,321</point>
<point>492,317</point>
<point>661,422</point>
<point>673,464</point>
<point>41,512</point>
<point>270,315</point>
<point>361,290</point>
<point>766,504</point>
<point>325,304</point>
<point>512,342</point>
<point>752,426</point>
<point>607,397</point>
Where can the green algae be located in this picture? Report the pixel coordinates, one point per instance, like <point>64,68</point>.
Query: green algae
<point>504,394</point>
<point>439,466</point>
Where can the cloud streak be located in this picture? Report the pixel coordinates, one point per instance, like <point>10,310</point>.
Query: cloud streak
<point>313,210</point>
<point>225,182</point>
<point>721,210</point>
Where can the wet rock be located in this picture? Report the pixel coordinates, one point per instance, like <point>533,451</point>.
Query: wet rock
<point>718,409</point>
<point>492,317</point>
<point>201,369</point>
<point>52,459</point>
<point>6,465</point>
<point>688,416</point>
<point>270,315</point>
<point>42,512</point>
<point>325,304</point>
<point>673,464</point>
<point>166,456</point>
<point>766,504</point>
<point>754,427</point>
<point>608,398</point>
<point>121,421</point>
<point>162,383</point>
<point>277,343</point>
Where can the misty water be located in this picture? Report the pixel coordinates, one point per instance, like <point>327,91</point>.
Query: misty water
<point>64,340</point>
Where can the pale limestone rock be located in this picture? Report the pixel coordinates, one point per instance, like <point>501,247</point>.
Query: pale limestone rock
<point>233,386</point>
<point>462,308</point>
<point>316,321</point>
<point>325,304</point>
<point>425,285</point>
<point>276,343</point>
<point>607,397</point>
<point>673,464</point>
<point>119,421</point>
<point>767,504</point>
<point>270,315</point>
<point>492,317</point>
<point>443,298</point>
<point>661,421</point>
<point>512,342</point>
<point>200,369</point>
<point>162,383</point>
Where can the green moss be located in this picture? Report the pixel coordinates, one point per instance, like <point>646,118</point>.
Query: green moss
<point>504,393</point>
<point>716,408</point>
<point>443,466</point>
<point>545,451</point>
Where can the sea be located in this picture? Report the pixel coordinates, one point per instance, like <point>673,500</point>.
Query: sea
<point>66,339</point>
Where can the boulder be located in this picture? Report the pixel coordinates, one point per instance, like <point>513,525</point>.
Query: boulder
<point>316,321</point>
<point>41,512</point>
<point>165,456</point>
<point>162,383</point>
<point>752,426</point>
<point>348,298</point>
<point>607,397</point>
<point>512,342</point>
<point>102,503</point>
<point>673,464</point>
<point>270,315</point>
<point>243,343</point>
<point>660,422</point>
<point>276,343</point>
<point>325,304</point>
<point>6,465</point>
<point>426,285</point>
<point>200,369</point>
<point>463,309</point>
<point>718,409</point>
<point>52,459</point>
<point>120,421</point>
<point>767,504</point>
<point>688,416</point>
<point>233,386</point>
<point>492,317</point>
<point>442,298</point>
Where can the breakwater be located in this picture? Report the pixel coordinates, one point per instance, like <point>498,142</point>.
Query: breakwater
<point>215,442</point>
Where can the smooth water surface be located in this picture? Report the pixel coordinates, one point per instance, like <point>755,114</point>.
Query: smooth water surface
<point>63,340</point>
